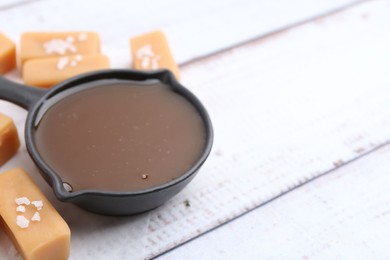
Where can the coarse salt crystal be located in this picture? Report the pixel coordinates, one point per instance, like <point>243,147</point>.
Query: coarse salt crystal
<point>79,57</point>
<point>148,57</point>
<point>22,222</point>
<point>59,46</point>
<point>38,204</point>
<point>155,62</point>
<point>73,63</point>
<point>20,208</point>
<point>145,62</point>
<point>145,50</point>
<point>22,200</point>
<point>70,38</point>
<point>82,37</point>
<point>62,62</point>
<point>36,217</point>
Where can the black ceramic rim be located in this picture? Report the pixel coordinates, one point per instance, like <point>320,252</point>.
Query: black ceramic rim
<point>164,76</point>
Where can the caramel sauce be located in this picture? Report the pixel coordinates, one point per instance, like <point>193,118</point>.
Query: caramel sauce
<point>120,136</point>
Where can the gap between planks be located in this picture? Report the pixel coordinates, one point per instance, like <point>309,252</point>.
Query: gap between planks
<point>368,152</point>
<point>274,33</point>
<point>257,40</point>
<point>337,164</point>
<point>16,4</point>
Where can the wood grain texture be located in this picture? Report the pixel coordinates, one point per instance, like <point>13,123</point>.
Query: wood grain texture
<point>9,4</point>
<point>193,29</point>
<point>343,215</point>
<point>286,109</point>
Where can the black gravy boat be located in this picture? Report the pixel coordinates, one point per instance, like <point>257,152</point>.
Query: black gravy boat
<point>104,202</point>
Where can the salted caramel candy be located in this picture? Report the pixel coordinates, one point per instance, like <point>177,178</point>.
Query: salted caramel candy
<point>50,71</point>
<point>35,45</point>
<point>151,51</point>
<point>32,223</point>
<point>9,140</point>
<point>7,54</point>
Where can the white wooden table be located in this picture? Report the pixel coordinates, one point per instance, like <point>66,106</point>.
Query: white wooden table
<point>299,95</point>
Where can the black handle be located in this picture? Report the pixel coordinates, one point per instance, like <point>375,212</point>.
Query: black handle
<point>19,94</point>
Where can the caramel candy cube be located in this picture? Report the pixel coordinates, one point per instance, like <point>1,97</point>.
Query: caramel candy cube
<point>44,44</point>
<point>32,223</point>
<point>9,140</point>
<point>50,71</point>
<point>7,54</point>
<point>151,51</point>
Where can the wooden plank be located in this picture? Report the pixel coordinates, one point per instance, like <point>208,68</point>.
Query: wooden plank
<point>194,29</point>
<point>285,110</point>
<point>343,215</point>
<point>8,4</point>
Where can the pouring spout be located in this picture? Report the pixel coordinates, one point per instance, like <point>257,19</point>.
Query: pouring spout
<point>24,96</point>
